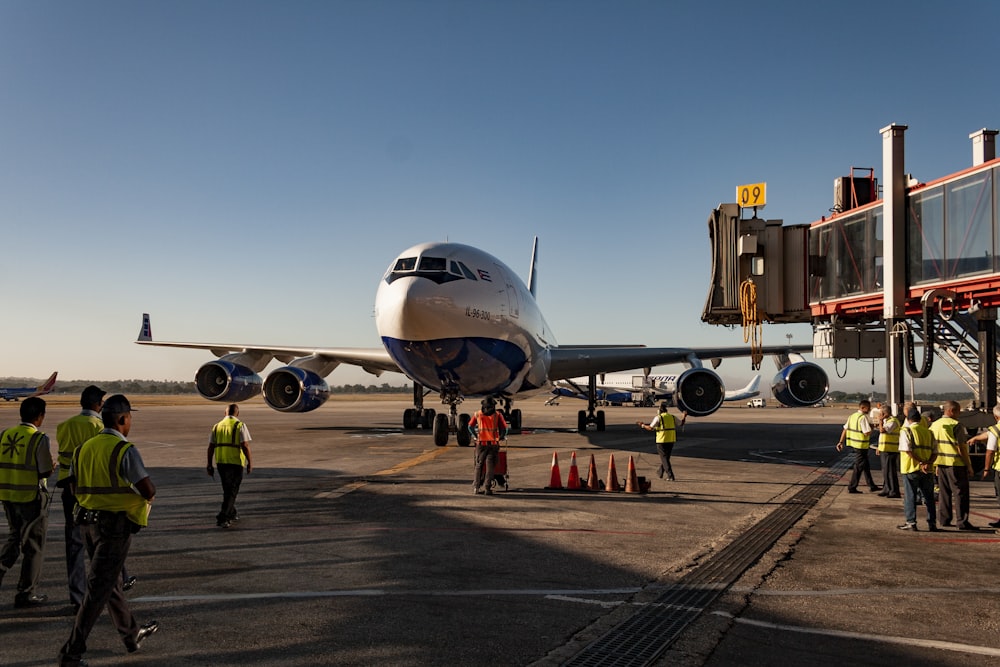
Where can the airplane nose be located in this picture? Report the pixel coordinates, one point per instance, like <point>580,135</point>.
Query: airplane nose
<point>408,308</point>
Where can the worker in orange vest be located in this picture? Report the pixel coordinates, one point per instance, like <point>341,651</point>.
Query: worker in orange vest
<point>488,427</point>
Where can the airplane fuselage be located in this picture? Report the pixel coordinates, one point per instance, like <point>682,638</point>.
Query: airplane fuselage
<point>456,319</point>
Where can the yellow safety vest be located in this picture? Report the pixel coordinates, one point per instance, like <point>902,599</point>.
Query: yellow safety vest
<point>226,436</point>
<point>666,428</point>
<point>995,430</point>
<point>949,453</point>
<point>100,484</point>
<point>855,436</point>
<point>71,434</point>
<point>19,463</point>
<point>921,448</point>
<point>889,442</point>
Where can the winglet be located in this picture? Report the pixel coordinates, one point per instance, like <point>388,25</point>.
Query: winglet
<point>532,271</point>
<point>145,331</point>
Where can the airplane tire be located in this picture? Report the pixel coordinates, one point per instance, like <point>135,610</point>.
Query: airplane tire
<point>441,430</point>
<point>581,421</point>
<point>515,420</point>
<point>600,420</point>
<point>428,420</point>
<point>409,419</point>
<point>464,437</point>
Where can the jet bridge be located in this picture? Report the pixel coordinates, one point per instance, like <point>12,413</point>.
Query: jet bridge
<point>911,275</point>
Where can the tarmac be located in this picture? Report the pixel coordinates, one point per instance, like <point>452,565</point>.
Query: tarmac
<point>360,543</point>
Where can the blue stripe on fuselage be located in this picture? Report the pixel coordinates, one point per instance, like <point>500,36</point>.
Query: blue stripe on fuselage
<point>475,365</point>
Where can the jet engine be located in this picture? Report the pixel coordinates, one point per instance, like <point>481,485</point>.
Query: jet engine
<point>294,389</point>
<point>800,385</point>
<point>222,380</point>
<point>699,392</point>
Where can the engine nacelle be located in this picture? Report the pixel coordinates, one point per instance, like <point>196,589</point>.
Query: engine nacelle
<point>800,385</point>
<point>699,392</point>
<point>223,380</point>
<point>293,389</point>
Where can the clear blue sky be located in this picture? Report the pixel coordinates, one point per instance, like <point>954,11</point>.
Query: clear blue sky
<point>245,171</point>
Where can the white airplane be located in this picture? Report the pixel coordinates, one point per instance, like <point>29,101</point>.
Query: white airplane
<point>457,321</point>
<point>15,393</point>
<point>643,390</point>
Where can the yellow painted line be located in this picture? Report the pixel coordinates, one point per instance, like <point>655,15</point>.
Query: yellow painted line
<point>429,455</point>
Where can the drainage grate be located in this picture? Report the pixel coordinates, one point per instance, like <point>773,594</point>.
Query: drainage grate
<point>649,632</point>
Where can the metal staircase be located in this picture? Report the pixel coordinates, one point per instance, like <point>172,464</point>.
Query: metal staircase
<point>956,343</point>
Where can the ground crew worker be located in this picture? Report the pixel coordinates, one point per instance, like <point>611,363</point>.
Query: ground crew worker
<point>70,434</point>
<point>954,468</point>
<point>114,493</point>
<point>228,443</point>
<point>665,426</point>
<point>888,451</point>
<point>992,467</point>
<point>916,465</point>
<point>488,427</point>
<point>25,464</point>
<point>856,433</point>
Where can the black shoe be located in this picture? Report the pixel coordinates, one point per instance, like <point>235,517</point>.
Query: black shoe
<point>948,524</point>
<point>874,488</point>
<point>892,495</point>
<point>671,479</point>
<point>22,601</point>
<point>967,526</point>
<point>908,526</point>
<point>853,491</point>
<point>932,528</point>
<point>883,494</point>
<point>129,583</point>
<point>994,524</point>
<point>133,644</point>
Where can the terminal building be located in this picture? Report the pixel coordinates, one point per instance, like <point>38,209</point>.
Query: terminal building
<point>907,271</point>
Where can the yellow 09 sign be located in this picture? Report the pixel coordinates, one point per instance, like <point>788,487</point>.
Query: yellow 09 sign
<point>752,196</point>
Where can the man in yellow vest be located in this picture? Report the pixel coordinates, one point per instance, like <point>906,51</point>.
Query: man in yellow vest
<point>954,467</point>
<point>228,443</point>
<point>916,465</point>
<point>488,427</point>
<point>888,452</point>
<point>856,433</point>
<point>25,464</point>
<point>114,493</point>
<point>992,467</point>
<point>665,426</point>
<point>70,434</point>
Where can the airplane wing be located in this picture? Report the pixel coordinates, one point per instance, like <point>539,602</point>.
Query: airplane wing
<point>374,360</point>
<point>574,361</point>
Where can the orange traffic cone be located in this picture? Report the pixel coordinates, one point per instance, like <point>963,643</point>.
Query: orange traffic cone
<point>555,481</point>
<point>593,484</point>
<point>632,483</point>
<point>573,481</point>
<point>612,483</point>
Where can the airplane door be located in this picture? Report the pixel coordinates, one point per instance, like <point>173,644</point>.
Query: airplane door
<point>513,301</point>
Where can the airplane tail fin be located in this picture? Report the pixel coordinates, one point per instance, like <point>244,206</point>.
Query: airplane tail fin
<point>145,331</point>
<point>532,271</point>
<point>47,386</point>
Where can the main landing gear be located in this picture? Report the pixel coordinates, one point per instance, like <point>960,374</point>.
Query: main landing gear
<point>443,425</point>
<point>589,416</point>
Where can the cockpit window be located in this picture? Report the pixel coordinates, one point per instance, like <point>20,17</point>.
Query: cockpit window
<point>433,264</point>
<point>405,264</point>
<point>468,274</point>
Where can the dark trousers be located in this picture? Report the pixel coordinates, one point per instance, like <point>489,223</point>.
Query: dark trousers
<point>107,542</point>
<point>27,524</point>
<point>862,466</point>
<point>890,473</point>
<point>231,476</point>
<point>76,561</point>
<point>919,485</point>
<point>665,449</point>
<point>485,455</point>
<point>953,496</point>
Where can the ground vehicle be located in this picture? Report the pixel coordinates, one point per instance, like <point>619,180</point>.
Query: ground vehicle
<point>757,403</point>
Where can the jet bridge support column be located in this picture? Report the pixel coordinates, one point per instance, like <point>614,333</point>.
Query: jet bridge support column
<point>894,257</point>
<point>986,319</point>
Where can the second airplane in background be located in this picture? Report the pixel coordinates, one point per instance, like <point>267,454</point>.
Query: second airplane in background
<point>640,390</point>
<point>16,393</point>
<point>457,321</point>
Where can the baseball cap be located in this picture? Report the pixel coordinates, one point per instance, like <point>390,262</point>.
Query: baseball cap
<point>117,405</point>
<point>913,415</point>
<point>92,394</point>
